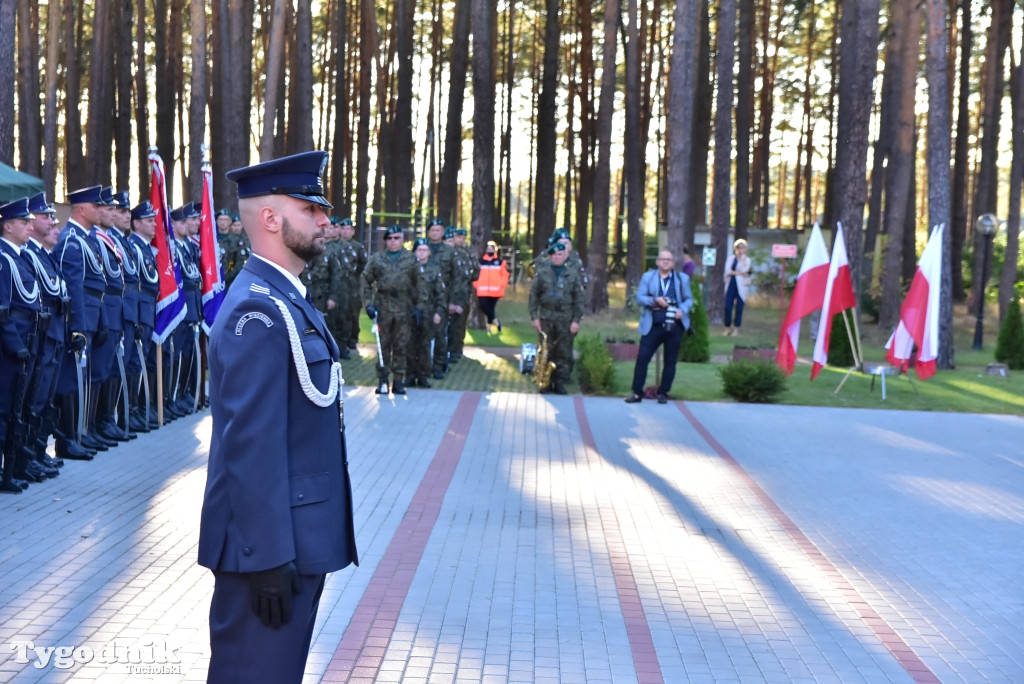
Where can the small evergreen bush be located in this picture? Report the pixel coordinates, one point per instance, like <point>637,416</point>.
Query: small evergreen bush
<point>1010,343</point>
<point>595,362</point>
<point>696,348</point>
<point>754,382</point>
<point>839,352</point>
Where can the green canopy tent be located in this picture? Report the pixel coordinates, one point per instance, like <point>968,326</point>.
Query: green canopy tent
<point>15,184</point>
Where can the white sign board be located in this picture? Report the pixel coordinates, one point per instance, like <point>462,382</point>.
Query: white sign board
<point>709,256</point>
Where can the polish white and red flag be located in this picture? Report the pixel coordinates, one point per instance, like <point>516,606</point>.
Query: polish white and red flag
<point>807,298</point>
<point>919,315</point>
<point>839,296</point>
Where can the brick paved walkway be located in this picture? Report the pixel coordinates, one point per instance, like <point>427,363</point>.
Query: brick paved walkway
<point>518,537</point>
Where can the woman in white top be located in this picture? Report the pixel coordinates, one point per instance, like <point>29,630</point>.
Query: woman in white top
<point>737,283</point>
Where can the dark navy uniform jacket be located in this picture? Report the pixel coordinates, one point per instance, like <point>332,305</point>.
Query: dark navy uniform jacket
<point>149,278</point>
<point>52,292</point>
<point>277,486</point>
<point>20,325</point>
<point>81,263</point>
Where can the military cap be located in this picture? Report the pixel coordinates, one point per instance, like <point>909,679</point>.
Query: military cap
<point>556,247</point>
<point>192,210</point>
<point>18,209</point>
<point>436,221</point>
<point>121,200</point>
<point>461,231</point>
<point>393,230</point>
<point>107,195</point>
<point>37,204</point>
<point>420,241</point>
<point>90,195</point>
<point>296,176</point>
<point>143,210</point>
<point>449,233</point>
<point>179,214</point>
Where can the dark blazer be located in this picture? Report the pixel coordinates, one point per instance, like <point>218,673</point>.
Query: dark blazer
<point>277,486</point>
<point>79,258</point>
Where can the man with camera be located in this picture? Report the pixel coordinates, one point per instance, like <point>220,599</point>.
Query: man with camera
<point>664,295</point>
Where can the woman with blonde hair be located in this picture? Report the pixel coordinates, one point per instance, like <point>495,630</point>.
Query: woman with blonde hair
<point>737,284</point>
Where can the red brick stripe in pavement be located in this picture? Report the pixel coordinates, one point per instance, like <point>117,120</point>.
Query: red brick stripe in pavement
<point>645,659</point>
<point>362,648</point>
<point>899,648</point>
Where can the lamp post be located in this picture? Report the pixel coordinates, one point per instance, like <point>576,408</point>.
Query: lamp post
<point>987,225</point>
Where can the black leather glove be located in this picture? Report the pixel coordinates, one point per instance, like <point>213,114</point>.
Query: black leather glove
<point>140,333</point>
<point>77,342</point>
<point>272,591</point>
<point>23,355</point>
<point>100,337</point>
<point>371,311</point>
<point>417,315</point>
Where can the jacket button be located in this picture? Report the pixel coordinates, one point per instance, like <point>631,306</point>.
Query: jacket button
<point>300,497</point>
<point>246,551</point>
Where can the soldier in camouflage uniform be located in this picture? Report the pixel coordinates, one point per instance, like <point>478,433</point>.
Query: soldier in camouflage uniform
<point>322,278</point>
<point>462,291</point>
<point>388,282</point>
<point>353,262</point>
<point>237,252</point>
<point>556,306</point>
<point>444,257</point>
<point>428,304</point>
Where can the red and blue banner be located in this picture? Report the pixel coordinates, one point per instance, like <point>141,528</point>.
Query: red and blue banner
<point>209,255</point>
<point>170,304</point>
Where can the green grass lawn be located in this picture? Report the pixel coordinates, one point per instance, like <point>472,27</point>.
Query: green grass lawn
<point>966,389</point>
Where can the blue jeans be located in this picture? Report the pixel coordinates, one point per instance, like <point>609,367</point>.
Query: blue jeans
<point>732,296</point>
<point>649,344</point>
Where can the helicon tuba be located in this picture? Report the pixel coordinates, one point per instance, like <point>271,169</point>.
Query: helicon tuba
<point>543,368</point>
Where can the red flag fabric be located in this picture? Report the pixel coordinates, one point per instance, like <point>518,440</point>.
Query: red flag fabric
<point>209,255</point>
<point>170,305</point>
<point>807,298</point>
<point>919,314</point>
<point>839,296</point>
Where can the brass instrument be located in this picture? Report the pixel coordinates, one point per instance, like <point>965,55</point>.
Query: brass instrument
<point>542,367</point>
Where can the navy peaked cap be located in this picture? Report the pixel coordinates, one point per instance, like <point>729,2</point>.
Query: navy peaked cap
<point>90,195</point>
<point>298,175</point>
<point>179,214</point>
<point>193,210</point>
<point>121,200</point>
<point>18,209</point>
<point>37,204</point>
<point>143,210</point>
<point>107,195</point>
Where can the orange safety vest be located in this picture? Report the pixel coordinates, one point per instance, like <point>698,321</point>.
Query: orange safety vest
<point>493,277</point>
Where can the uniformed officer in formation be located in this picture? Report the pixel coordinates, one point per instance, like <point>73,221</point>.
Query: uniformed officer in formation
<point>20,315</point>
<point>179,376</point>
<point>467,270</point>
<point>143,362</point>
<point>428,304</point>
<point>556,307</point>
<point>352,257</point>
<point>388,282</point>
<point>277,512</point>
<point>237,251</point>
<point>443,256</point>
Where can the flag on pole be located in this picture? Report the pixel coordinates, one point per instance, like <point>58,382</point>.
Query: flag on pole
<point>839,296</point>
<point>209,255</point>
<point>919,314</point>
<point>170,304</point>
<point>807,298</point>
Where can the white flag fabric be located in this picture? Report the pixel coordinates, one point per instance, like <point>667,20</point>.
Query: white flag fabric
<point>919,314</point>
<point>807,298</point>
<point>838,297</point>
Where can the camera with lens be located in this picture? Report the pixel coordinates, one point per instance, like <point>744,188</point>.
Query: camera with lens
<point>670,314</point>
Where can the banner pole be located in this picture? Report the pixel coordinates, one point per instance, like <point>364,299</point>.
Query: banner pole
<point>160,384</point>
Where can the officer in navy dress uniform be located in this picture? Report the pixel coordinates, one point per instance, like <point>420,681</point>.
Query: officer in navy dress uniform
<point>81,263</point>
<point>142,251</point>
<point>184,336</point>
<point>40,413</point>
<point>106,379</point>
<point>277,514</point>
<point>19,302</point>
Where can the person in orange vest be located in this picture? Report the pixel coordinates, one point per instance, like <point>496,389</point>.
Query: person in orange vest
<point>490,286</point>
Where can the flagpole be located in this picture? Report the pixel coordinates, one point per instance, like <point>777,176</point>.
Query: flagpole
<point>160,384</point>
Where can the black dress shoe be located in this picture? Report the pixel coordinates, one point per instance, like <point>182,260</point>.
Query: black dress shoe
<point>22,472</point>
<point>439,374</point>
<point>351,344</point>
<point>105,441</point>
<point>454,359</point>
<point>73,451</point>
<point>423,383</point>
<point>51,462</point>
<point>136,424</point>
<point>39,469</point>
<point>111,432</point>
<point>634,399</point>
<point>381,389</point>
<point>662,398</point>
<point>11,487</point>
<point>398,387</point>
<point>92,444</point>
<point>344,353</point>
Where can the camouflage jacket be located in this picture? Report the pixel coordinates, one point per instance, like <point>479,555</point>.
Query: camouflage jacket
<point>323,277</point>
<point>556,294</point>
<point>428,289</point>
<point>388,282</point>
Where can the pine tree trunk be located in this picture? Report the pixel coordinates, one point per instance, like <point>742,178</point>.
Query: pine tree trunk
<point>7,71</point>
<point>721,198</point>
<point>99,133</point>
<point>483,24</point>
<point>682,93</point>
<point>544,195</point>
<point>633,158</point>
<point>744,114</point>
<point>197,105</point>
<point>74,156</point>
<point>1008,277</point>
<point>272,94</point>
<point>367,48</point>
<point>28,87</point>
<point>300,105</point>
<point>53,24</point>
<point>448,182</point>
<point>401,186</point>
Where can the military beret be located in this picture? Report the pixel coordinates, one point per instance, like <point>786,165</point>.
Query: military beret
<point>90,195</point>
<point>18,209</point>
<point>298,175</point>
<point>235,217</point>
<point>436,221</point>
<point>394,230</point>
<point>37,204</point>
<point>335,220</point>
<point>143,210</point>
<point>346,222</point>
<point>461,231</point>
<point>561,234</point>
<point>224,212</point>
<point>449,233</point>
<point>420,242</point>
<point>557,247</point>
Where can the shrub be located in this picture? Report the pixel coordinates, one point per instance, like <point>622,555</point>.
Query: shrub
<point>1010,343</point>
<point>595,362</point>
<point>839,352</point>
<point>756,382</point>
<point>696,348</point>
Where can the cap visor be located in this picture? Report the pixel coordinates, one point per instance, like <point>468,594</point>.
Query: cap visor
<point>319,199</point>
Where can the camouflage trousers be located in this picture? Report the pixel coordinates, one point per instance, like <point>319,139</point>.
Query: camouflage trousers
<point>560,341</point>
<point>394,344</point>
<point>457,333</point>
<point>441,343</point>
<point>420,337</point>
